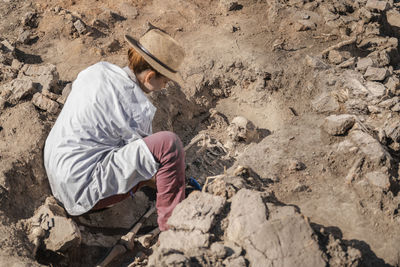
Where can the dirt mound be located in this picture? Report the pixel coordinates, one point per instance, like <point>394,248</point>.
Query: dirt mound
<point>289,117</point>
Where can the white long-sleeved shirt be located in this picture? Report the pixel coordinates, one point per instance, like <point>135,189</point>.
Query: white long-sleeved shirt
<point>95,148</point>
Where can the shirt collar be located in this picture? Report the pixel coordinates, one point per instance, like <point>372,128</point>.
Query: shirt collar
<point>130,74</point>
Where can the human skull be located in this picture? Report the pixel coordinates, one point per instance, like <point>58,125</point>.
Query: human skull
<point>242,130</point>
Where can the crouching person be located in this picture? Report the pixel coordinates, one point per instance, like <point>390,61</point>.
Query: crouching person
<point>101,148</point>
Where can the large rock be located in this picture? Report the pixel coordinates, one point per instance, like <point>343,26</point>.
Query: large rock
<point>279,241</point>
<point>241,222</point>
<point>338,124</point>
<point>64,234</point>
<point>197,212</point>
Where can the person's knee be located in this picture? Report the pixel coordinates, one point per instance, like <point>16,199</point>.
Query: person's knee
<point>173,140</point>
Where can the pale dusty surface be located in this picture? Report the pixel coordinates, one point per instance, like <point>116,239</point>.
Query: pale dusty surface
<point>285,66</point>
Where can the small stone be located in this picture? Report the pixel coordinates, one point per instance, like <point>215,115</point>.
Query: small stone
<point>65,93</point>
<point>296,165</point>
<point>380,58</point>
<point>392,84</point>
<point>304,25</point>
<point>218,250</point>
<point>50,95</point>
<point>45,103</point>
<point>24,37</point>
<point>316,63</point>
<point>393,18</point>
<point>7,73</point>
<point>374,109</point>
<point>347,63</point>
<point>57,9</point>
<point>378,179</point>
<point>392,131</point>
<point>325,103</point>
<point>129,11</point>
<point>30,20</point>
<point>5,59</point>
<point>80,26</point>
<point>338,124</point>
<point>376,74</point>
<point>176,259</point>
<point>230,5</point>
<point>4,95</point>
<point>113,46</point>
<point>235,262</point>
<point>16,64</point>
<point>335,57</point>
<point>20,88</point>
<point>298,187</point>
<point>364,63</point>
<point>370,147</point>
<point>356,106</point>
<point>377,5</point>
<point>46,75</point>
<point>375,89</point>
<point>99,23</point>
<point>365,15</point>
<point>389,102</point>
<point>7,46</point>
<point>396,108</point>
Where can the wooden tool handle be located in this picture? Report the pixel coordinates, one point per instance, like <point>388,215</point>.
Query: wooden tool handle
<point>128,239</point>
<point>117,250</point>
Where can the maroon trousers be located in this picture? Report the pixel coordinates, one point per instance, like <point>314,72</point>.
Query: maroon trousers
<point>168,151</point>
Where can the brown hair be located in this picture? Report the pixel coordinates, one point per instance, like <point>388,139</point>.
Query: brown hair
<point>137,63</point>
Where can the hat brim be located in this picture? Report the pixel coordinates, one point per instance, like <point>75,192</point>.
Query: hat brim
<point>175,76</point>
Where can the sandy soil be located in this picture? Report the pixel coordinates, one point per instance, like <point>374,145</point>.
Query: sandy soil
<point>264,61</point>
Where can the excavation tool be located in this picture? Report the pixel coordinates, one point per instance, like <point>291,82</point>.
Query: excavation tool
<point>126,242</point>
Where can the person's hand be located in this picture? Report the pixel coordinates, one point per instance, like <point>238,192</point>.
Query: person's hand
<point>150,183</point>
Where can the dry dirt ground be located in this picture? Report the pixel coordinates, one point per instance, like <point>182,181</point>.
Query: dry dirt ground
<point>298,184</point>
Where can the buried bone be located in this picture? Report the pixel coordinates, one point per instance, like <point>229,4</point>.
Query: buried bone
<point>242,130</point>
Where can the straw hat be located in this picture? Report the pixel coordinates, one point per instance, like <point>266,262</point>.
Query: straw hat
<point>161,51</point>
